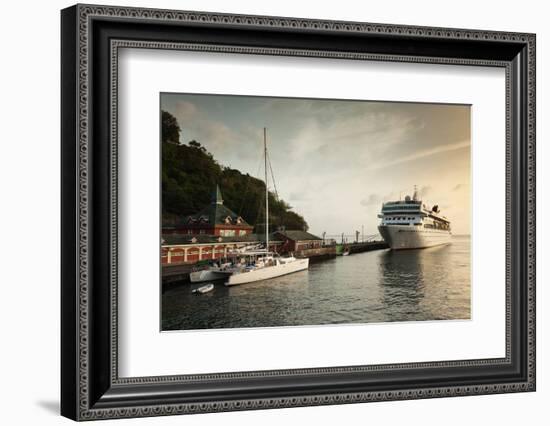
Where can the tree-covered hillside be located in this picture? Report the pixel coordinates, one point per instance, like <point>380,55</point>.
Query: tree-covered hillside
<point>190,173</point>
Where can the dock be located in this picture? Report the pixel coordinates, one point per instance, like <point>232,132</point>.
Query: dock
<point>360,247</point>
<point>176,273</point>
<point>317,254</point>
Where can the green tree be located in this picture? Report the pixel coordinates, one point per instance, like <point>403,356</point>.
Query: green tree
<point>170,128</point>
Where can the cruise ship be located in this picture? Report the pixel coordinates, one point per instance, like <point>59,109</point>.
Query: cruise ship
<point>411,224</point>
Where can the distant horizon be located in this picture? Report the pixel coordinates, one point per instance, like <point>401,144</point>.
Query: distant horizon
<point>337,161</point>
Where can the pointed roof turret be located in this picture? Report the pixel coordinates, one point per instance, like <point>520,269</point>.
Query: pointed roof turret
<point>217,196</point>
<point>216,213</point>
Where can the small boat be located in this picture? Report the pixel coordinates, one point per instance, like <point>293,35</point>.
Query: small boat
<point>345,252</point>
<point>203,289</point>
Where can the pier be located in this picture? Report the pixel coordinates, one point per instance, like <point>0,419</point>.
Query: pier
<point>360,247</point>
<point>317,254</point>
<point>177,273</point>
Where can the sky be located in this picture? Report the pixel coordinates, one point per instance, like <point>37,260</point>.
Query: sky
<point>336,161</point>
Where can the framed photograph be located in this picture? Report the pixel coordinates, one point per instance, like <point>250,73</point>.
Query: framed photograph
<point>263,212</point>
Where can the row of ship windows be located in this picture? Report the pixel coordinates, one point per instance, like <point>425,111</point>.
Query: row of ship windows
<point>400,218</point>
<point>437,225</point>
<point>400,207</point>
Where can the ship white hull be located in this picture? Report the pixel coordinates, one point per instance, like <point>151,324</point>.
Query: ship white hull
<point>268,272</point>
<point>413,237</point>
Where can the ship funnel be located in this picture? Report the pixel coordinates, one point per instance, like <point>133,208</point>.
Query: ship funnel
<point>415,195</point>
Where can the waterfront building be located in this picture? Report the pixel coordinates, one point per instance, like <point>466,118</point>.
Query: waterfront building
<point>295,241</point>
<point>217,232</point>
<point>214,219</point>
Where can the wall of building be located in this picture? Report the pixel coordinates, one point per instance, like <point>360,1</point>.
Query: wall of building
<point>195,253</point>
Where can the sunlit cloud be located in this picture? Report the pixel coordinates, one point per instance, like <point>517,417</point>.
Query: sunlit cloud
<point>371,200</point>
<point>458,187</point>
<point>422,154</point>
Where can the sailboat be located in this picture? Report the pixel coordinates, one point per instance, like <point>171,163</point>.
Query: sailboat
<point>263,264</point>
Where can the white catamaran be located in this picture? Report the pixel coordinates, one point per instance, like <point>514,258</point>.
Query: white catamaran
<point>263,264</point>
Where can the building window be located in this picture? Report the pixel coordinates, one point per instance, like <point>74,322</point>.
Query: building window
<point>242,232</point>
<point>227,232</point>
<point>202,232</point>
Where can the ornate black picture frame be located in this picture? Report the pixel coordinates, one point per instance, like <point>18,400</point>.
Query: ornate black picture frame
<point>91,37</point>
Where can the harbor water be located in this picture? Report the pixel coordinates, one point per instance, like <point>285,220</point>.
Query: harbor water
<point>378,286</point>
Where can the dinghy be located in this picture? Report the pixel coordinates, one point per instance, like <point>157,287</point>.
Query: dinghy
<point>203,289</point>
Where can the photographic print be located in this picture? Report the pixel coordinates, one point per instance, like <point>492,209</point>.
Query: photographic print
<point>213,190</point>
<point>284,212</point>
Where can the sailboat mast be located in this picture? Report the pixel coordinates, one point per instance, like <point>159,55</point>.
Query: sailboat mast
<point>266,196</point>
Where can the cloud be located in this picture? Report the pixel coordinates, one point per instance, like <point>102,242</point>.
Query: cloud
<point>421,154</point>
<point>227,140</point>
<point>185,110</point>
<point>371,200</point>
<point>425,191</point>
<point>346,140</point>
<point>192,118</point>
<point>299,196</point>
